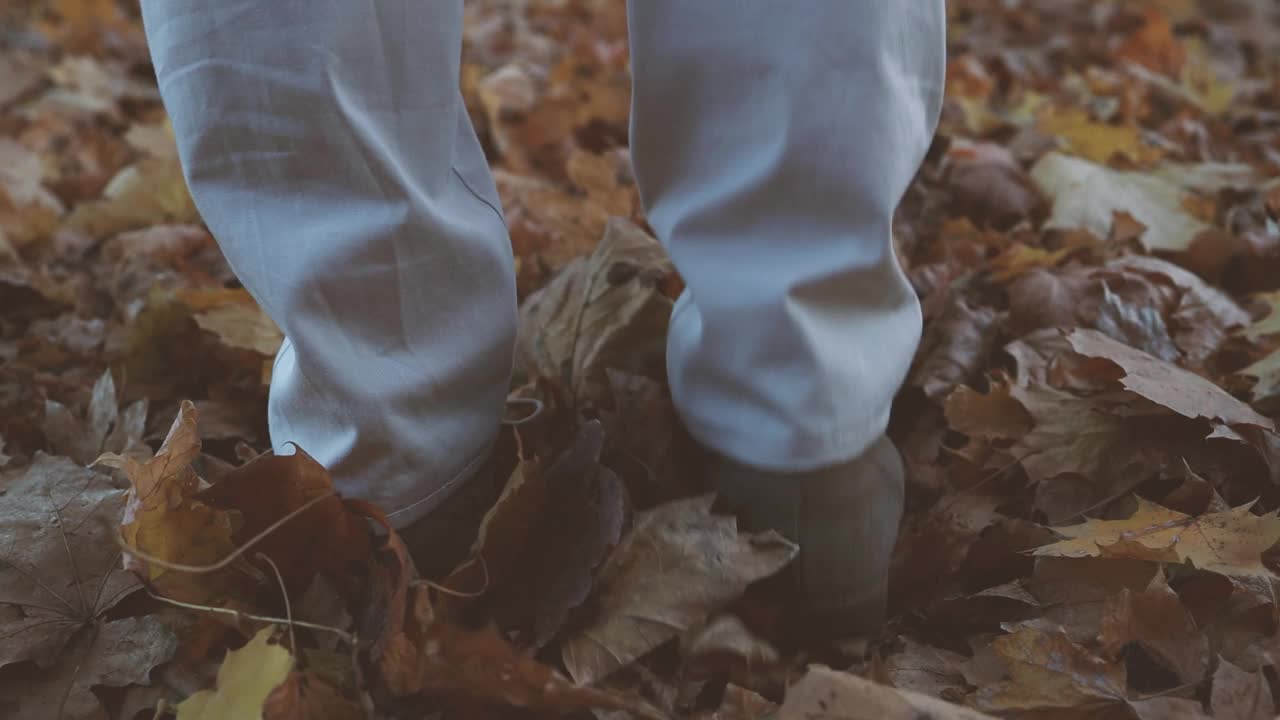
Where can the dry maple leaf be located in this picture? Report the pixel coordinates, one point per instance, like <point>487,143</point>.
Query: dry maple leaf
<point>246,679</point>
<point>1229,543</point>
<point>163,519</point>
<point>1179,390</point>
<point>1240,695</point>
<point>1047,671</point>
<point>827,694</point>
<point>304,695</point>
<point>59,576</point>
<point>677,565</point>
<point>1095,141</point>
<point>235,318</point>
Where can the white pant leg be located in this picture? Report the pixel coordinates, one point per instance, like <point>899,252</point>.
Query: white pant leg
<point>772,142</point>
<point>327,147</point>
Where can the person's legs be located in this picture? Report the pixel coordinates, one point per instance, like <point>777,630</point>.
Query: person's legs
<point>327,148</point>
<point>772,143</point>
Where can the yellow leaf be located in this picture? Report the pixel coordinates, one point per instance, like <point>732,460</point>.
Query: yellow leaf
<point>149,192</point>
<point>1018,258</point>
<point>234,316</point>
<point>1228,543</point>
<point>245,679</point>
<point>1093,140</point>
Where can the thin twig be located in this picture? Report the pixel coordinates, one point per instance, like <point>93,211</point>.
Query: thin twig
<point>484,587</point>
<point>183,567</point>
<point>239,615</point>
<point>284,593</point>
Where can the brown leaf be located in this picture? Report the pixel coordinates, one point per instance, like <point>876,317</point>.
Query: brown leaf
<point>742,704</point>
<point>606,311</point>
<point>1075,591</point>
<point>326,538</point>
<point>1238,695</point>
<point>726,641</point>
<point>955,345</point>
<point>989,187</point>
<point>1183,392</point>
<point>304,695</point>
<point>1157,620</point>
<point>1047,670</point>
<point>164,519</point>
<point>677,565</point>
<point>114,654</point>
<point>235,318</point>
<point>827,694</point>
<point>1230,543</point>
<point>996,414</point>
<point>926,670</point>
<point>59,565</point>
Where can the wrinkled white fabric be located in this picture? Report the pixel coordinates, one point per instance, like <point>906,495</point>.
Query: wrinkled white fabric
<point>328,149</point>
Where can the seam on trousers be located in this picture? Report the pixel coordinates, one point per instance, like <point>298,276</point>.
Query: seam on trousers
<point>496,210</point>
<point>416,510</point>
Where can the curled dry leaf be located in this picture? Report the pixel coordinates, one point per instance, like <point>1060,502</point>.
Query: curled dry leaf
<point>825,693</point>
<point>164,519</point>
<point>1230,543</point>
<point>677,565</point>
<point>606,311</point>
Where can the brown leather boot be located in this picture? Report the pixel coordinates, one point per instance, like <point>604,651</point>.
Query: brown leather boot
<point>845,519</point>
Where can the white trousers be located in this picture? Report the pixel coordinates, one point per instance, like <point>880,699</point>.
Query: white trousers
<point>327,148</point>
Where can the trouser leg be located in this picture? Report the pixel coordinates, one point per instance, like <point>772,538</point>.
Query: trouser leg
<point>772,142</point>
<point>327,148</point>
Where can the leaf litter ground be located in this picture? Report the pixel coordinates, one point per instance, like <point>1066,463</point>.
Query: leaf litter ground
<point>1089,423</point>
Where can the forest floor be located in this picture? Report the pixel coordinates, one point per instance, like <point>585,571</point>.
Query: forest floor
<point>1089,424</point>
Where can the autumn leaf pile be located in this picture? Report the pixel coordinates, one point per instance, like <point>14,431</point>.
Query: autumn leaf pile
<point>1089,424</point>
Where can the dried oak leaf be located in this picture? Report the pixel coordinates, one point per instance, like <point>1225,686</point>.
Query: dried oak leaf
<point>677,565</point>
<point>1181,391</point>
<point>59,569</point>
<point>1156,620</point>
<point>246,679</point>
<point>1047,670</point>
<point>828,694</point>
<point>608,310</point>
<point>1229,543</point>
<point>326,538</point>
<point>164,519</point>
<point>1240,695</point>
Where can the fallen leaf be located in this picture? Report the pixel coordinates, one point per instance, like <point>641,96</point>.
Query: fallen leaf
<point>725,640</point>
<point>1230,543</point>
<point>825,693</point>
<point>1238,695</point>
<point>1154,44</point>
<point>304,695</point>
<point>246,680</point>
<point>927,670</point>
<point>599,313</point>
<point>59,569</point>
<point>1095,141</point>
<point>1086,195</point>
<point>111,654</point>
<point>326,538</point>
<point>1181,391</point>
<point>163,518</point>
<point>677,565</point>
<point>149,192</point>
<point>1075,592</point>
<point>1156,620</point>
<point>954,346</point>
<point>235,318</point>
<point>1047,670</point>
<point>742,704</point>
